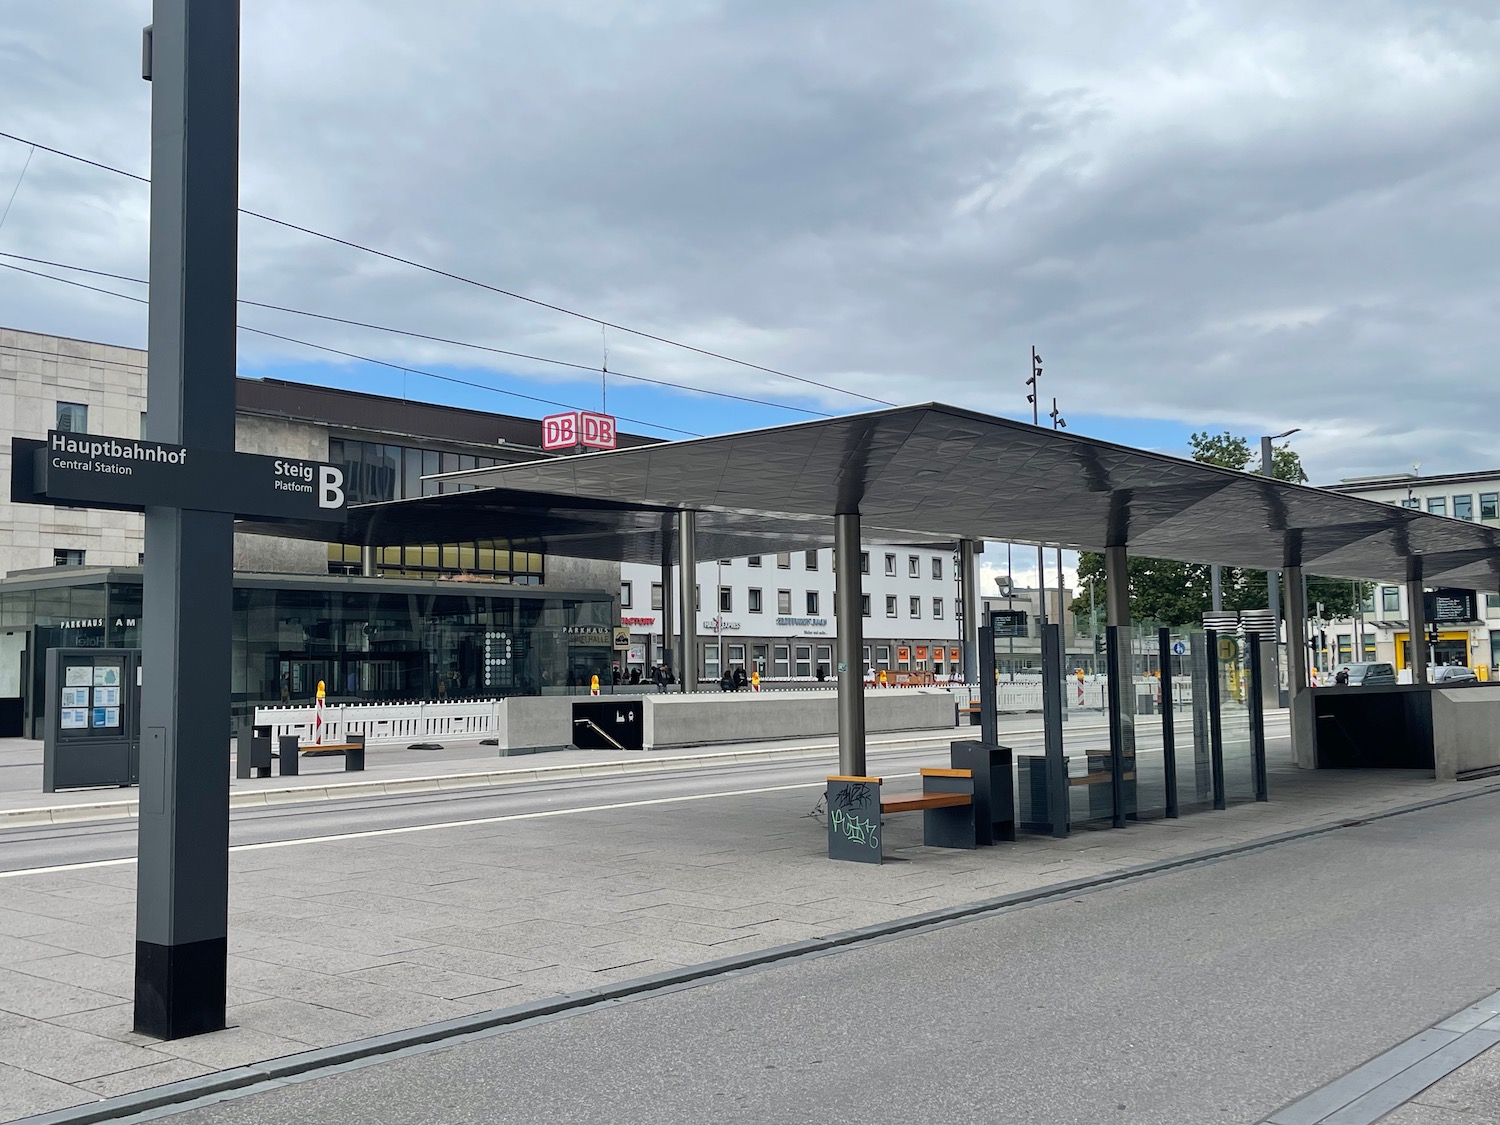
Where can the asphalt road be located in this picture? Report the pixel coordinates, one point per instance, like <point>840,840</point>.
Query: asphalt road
<point>24,849</point>
<point>1205,996</point>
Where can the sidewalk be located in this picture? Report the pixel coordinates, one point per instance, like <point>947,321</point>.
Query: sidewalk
<point>341,939</point>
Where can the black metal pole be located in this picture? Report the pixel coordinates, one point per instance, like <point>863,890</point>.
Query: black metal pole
<point>1117,665</point>
<point>1168,728</point>
<point>1057,766</point>
<point>182,894</point>
<point>1215,719</point>
<point>989,721</point>
<point>1257,718</point>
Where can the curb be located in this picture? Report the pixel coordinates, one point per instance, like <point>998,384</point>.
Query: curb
<point>305,1065</point>
<point>405,786</point>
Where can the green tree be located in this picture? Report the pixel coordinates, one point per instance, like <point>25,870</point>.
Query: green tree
<point>1174,593</point>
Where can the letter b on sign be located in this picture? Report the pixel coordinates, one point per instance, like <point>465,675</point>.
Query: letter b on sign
<point>597,431</point>
<point>330,487</point>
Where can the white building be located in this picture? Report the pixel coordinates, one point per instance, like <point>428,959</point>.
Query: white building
<point>774,613</point>
<point>1472,497</point>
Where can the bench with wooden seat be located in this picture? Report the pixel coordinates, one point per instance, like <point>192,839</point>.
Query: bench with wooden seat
<point>290,750</point>
<point>856,811</point>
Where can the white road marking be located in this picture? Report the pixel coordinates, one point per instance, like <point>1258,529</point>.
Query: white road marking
<point>373,832</point>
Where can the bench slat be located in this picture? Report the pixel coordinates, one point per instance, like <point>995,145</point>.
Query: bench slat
<point>912,802</point>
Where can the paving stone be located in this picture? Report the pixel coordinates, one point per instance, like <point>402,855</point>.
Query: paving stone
<point>23,1094</point>
<point>314,1024</point>
<point>234,1046</point>
<point>112,976</point>
<point>318,958</point>
<point>65,1054</point>
<point>143,1078</point>
<point>78,937</point>
<point>429,980</point>
<point>38,998</point>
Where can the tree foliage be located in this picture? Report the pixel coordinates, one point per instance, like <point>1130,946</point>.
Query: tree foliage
<point>1175,593</point>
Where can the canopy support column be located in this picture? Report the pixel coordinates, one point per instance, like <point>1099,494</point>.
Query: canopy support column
<point>968,574</point>
<point>1117,583</point>
<point>668,633</point>
<point>1296,630</point>
<point>1416,612</point>
<point>850,641</point>
<point>687,568</point>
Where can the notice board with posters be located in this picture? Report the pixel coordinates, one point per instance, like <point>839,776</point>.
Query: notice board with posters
<point>92,731</point>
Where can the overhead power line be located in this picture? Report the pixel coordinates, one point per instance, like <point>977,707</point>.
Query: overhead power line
<point>439,272</point>
<point>406,367</point>
<point>437,339</point>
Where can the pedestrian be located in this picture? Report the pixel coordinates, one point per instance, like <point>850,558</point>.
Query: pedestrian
<point>822,673</point>
<point>726,681</point>
<point>741,680</point>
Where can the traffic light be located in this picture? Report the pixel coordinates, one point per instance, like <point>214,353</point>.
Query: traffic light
<point>1322,640</point>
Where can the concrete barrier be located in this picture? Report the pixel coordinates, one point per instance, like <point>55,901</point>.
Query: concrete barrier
<point>705,719</point>
<point>1465,731</point>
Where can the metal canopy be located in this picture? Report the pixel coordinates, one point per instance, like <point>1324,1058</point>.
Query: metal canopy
<point>935,474</point>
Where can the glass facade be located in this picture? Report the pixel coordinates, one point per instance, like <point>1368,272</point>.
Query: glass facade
<point>367,640</point>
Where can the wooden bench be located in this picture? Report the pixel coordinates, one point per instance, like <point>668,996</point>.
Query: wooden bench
<point>290,750</point>
<point>946,803</point>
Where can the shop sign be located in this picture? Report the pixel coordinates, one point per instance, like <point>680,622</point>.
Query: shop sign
<point>646,622</point>
<point>819,622</point>
<point>720,625</point>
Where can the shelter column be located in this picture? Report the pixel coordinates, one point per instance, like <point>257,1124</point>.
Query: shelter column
<point>851,643</point>
<point>1296,630</point>
<point>968,573</point>
<point>687,567</point>
<point>668,633</point>
<point>1117,583</point>
<point>1416,612</point>
<point>182,892</point>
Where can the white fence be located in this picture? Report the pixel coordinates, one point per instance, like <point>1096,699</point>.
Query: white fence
<point>1092,694</point>
<point>386,723</point>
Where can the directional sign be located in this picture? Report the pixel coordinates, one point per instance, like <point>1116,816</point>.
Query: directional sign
<point>1179,648</point>
<point>94,471</point>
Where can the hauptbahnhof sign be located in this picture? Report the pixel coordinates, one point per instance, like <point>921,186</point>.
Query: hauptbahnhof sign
<point>93,471</point>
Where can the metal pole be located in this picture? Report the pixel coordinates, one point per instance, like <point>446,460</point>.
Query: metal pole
<point>668,632</point>
<point>849,635</point>
<point>1216,584</point>
<point>1296,630</point>
<point>1416,613</point>
<point>182,891</point>
<point>1010,585</point>
<point>1062,613</point>
<point>687,569</point>
<point>968,566</point>
<point>1273,577</point>
<point>719,615</point>
<point>1357,649</point>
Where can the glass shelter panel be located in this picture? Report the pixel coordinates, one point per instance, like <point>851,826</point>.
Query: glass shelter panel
<point>1234,717</point>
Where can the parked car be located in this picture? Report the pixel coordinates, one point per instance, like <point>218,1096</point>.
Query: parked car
<point>1453,674</point>
<point>1366,675</point>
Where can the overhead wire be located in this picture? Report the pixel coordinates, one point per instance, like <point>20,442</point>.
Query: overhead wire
<point>450,275</point>
<point>440,339</point>
<point>362,358</point>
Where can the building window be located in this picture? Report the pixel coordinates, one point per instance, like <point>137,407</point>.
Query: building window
<point>812,560</point>
<point>1489,505</point>
<point>825,659</point>
<point>1411,502</point>
<point>753,560</point>
<point>883,656</point>
<point>937,568</point>
<point>1437,505</point>
<point>726,599</point>
<point>937,609</point>
<point>864,562</point>
<point>781,657</point>
<point>1492,601</point>
<point>754,603</point>
<point>625,594</point>
<point>890,566</point>
<point>67,557</point>
<point>1390,599</point>
<point>913,566</point>
<point>783,602</point>
<point>1367,600</point>
<point>72,418</point>
<point>804,661</point>
<point>916,607</point>
<point>1463,507</point>
<point>711,661</point>
<point>784,560</point>
<point>812,603</point>
<point>890,605</point>
<point>864,609</point>
<point>656,596</point>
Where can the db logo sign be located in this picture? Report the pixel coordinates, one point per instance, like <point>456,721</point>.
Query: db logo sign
<point>566,431</point>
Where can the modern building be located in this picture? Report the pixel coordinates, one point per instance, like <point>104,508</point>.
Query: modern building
<point>1475,641</point>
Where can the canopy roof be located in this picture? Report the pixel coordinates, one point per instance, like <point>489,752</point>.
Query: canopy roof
<point>935,474</point>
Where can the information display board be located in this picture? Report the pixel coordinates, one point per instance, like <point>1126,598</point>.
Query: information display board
<point>92,731</point>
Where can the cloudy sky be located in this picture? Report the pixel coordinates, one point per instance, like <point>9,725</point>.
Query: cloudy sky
<point>1220,214</point>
